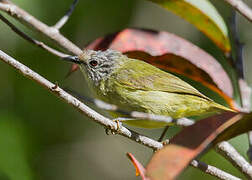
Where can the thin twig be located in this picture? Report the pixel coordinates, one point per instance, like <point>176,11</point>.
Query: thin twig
<point>98,103</point>
<point>183,122</point>
<point>34,24</point>
<point>249,151</point>
<point>230,153</point>
<point>78,104</point>
<point>242,8</point>
<point>246,107</point>
<point>237,56</point>
<point>213,171</point>
<point>54,34</point>
<point>31,40</point>
<point>134,114</point>
<point>163,134</point>
<point>239,47</point>
<point>244,89</point>
<point>55,89</point>
<point>23,16</point>
<point>64,19</point>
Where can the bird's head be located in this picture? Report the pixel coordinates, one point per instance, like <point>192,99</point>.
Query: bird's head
<point>97,65</point>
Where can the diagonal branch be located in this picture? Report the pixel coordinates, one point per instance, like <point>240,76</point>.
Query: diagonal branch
<point>54,34</point>
<point>134,114</point>
<point>245,90</point>
<point>230,153</point>
<point>224,148</point>
<point>238,45</point>
<point>24,70</point>
<point>213,171</point>
<point>31,22</point>
<point>242,8</point>
<point>65,18</point>
<point>82,108</point>
<point>31,40</point>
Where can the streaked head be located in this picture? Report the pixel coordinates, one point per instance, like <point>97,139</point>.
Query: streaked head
<point>98,64</point>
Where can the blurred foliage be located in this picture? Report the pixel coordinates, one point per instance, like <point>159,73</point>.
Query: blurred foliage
<point>203,15</point>
<point>43,138</point>
<point>15,150</point>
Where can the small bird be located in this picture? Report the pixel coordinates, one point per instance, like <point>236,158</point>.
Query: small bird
<point>134,85</point>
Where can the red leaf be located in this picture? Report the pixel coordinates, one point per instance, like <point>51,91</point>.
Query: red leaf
<point>140,170</point>
<point>168,162</point>
<point>170,52</point>
<point>160,43</point>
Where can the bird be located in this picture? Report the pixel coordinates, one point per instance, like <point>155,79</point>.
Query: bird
<point>134,85</point>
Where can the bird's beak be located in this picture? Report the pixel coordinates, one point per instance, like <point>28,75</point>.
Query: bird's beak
<point>74,59</point>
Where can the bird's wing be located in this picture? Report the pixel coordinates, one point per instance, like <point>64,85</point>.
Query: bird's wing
<point>137,74</point>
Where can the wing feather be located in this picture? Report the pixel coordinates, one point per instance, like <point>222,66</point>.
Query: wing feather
<point>144,76</point>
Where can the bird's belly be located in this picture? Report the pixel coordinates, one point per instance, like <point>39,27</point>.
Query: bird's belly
<point>161,103</point>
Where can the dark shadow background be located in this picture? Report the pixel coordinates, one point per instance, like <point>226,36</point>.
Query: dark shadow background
<point>42,137</point>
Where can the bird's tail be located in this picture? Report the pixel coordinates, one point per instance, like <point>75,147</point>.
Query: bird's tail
<point>223,108</point>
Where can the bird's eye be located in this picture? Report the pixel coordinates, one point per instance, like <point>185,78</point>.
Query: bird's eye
<point>93,63</point>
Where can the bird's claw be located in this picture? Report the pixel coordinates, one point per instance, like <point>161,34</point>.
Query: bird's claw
<point>118,127</point>
<point>116,130</point>
<point>165,142</point>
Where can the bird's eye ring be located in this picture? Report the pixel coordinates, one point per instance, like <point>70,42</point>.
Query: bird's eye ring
<point>93,63</point>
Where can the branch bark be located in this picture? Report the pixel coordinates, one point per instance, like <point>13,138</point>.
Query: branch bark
<point>81,107</point>
<point>65,18</point>
<point>33,41</point>
<point>213,171</point>
<point>242,8</point>
<point>55,89</point>
<point>34,24</point>
<point>54,34</point>
<point>230,153</point>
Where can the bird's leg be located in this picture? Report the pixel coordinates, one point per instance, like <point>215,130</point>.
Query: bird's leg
<point>118,121</point>
<point>163,135</point>
<point>117,130</point>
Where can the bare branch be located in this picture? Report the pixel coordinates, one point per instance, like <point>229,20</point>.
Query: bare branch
<point>64,19</point>
<point>241,7</point>
<point>134,114</point>
<point>31,40</point>
<point>78,104</point>
<point>238,60</point>
<point>185,122</point>
<point>213,171</point>
<point>249,152</point>
<point>163,134</point>
<point>34,24</point>
<point>92,114</point>
<point>238,45</point>
<point>230,153</point>
<point>245,95</point>
<point>246,107</point>
<point>54,34</point>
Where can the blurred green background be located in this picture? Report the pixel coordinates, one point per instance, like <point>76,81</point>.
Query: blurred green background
<point>42,137</point>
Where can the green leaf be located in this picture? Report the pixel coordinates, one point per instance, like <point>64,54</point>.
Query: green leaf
<point>204,16</point>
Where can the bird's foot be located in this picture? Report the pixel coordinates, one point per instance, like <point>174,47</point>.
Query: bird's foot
<point>118,127</point>
<point>118,123</point>
<point>165,142</point>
